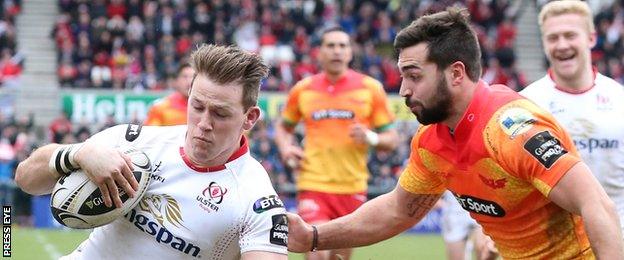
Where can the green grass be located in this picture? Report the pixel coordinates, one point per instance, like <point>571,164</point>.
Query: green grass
<point>39,243</point>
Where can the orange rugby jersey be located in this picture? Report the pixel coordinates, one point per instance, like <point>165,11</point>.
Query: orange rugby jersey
<point>168,111</point>
<point>333,162</point>
<point>501,163</point>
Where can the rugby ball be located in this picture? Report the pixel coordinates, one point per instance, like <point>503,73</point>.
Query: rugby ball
<point>76,202</point>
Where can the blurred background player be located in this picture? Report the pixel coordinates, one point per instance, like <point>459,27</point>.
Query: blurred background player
<point>587,103</point>
<point>463,237</point>
<point>171,110</point>
<point>338,108</point>
<point>457,228</point>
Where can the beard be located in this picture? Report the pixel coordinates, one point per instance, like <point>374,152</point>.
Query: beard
<point>441,103</point>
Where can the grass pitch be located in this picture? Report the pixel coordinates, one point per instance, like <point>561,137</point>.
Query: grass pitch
<point>46,244</point>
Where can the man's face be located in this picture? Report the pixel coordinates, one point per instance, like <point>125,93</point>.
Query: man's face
<point>567,43</point>
<point>335,52</point>
<point>216,121</point>
<point>183,81</point>
<point>424,87</point>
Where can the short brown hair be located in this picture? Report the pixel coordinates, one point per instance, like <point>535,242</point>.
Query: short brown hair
<point>181,67</point>
<point>556,8</point>
<point>230,64</point>
<point>449,38</point>
<point>332,29</point>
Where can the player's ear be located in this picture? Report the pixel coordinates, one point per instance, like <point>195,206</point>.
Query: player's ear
<point>593,39</point>
<point>251,117</point>
<point>457,73</point>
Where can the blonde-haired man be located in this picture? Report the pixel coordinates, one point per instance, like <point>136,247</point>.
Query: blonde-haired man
<point>588,104</point>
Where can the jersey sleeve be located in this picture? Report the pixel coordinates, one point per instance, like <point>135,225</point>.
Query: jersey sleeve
<point>291,114</point>
<point>111,136</point>
<point>530,144</point>
<point>416,178</point>
<point>265,226</point>
<point>382,116</point>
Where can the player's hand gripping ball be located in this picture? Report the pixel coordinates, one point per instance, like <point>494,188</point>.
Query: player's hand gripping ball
<point>76,201</point>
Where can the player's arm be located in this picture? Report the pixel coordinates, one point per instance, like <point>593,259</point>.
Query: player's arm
<point>252,255</point>
<point>105,166</point>
<point>376,220</point>
<point>385,140</point>
<point>580,193</point>
<point>384,135</point>
<point>33,175</point>
<point>388,140</point>
<point>290,152</point>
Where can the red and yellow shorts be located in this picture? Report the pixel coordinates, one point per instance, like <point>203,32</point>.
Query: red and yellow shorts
<point>315,207</point>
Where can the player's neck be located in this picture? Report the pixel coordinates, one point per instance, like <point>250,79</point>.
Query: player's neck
<point>461,100</point>
<point>219,159</point>
<point>578,84</point>
<point>334,77</point>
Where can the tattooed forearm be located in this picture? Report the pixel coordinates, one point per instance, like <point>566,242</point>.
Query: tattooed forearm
<point>421,204</point>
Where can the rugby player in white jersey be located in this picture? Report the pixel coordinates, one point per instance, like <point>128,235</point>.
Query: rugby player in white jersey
<point>588,104</point>
<point>208,197</point>
<point>456,228</point>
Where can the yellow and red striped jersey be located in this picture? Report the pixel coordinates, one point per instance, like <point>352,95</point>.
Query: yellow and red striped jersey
<point>333,162</point>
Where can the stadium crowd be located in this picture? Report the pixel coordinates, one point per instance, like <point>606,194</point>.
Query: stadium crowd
<point>11,62</point>
<point>138,44</point>
<point>608,53</point>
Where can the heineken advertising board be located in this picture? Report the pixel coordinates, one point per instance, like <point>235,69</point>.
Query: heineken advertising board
<point>95,107</point>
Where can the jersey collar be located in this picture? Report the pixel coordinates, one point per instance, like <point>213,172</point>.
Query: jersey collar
<point>345,82</point>
<point>568,90</point>
<point>244,147</point>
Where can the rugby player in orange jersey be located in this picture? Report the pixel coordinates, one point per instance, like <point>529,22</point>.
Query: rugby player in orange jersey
<point>344,113</point>
<point>171,110</point>
<point>507,161</point>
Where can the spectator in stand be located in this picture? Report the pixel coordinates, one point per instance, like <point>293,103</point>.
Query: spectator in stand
<point>67,73</point>
<point>7,161</point>
<point>59,127</point>
<point>9,69</point>
<point>8,37</point>
<point>608,54</point>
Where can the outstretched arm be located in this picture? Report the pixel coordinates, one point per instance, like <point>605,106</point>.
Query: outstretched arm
<point>105,166</point>
<point>289,151</point>
<point>376,220</point>
<point>33,174</point>
<point>580,193</point>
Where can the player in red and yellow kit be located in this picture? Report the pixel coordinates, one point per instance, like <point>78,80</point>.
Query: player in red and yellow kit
<point>338,108</point>
<point>508,162</point>
<point>171,110</point>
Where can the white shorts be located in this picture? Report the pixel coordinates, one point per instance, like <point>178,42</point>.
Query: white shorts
<point>456,222</point>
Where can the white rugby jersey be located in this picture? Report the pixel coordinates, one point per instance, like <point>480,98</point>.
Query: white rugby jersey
<point>190,212</point>
<point>595,120</point>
